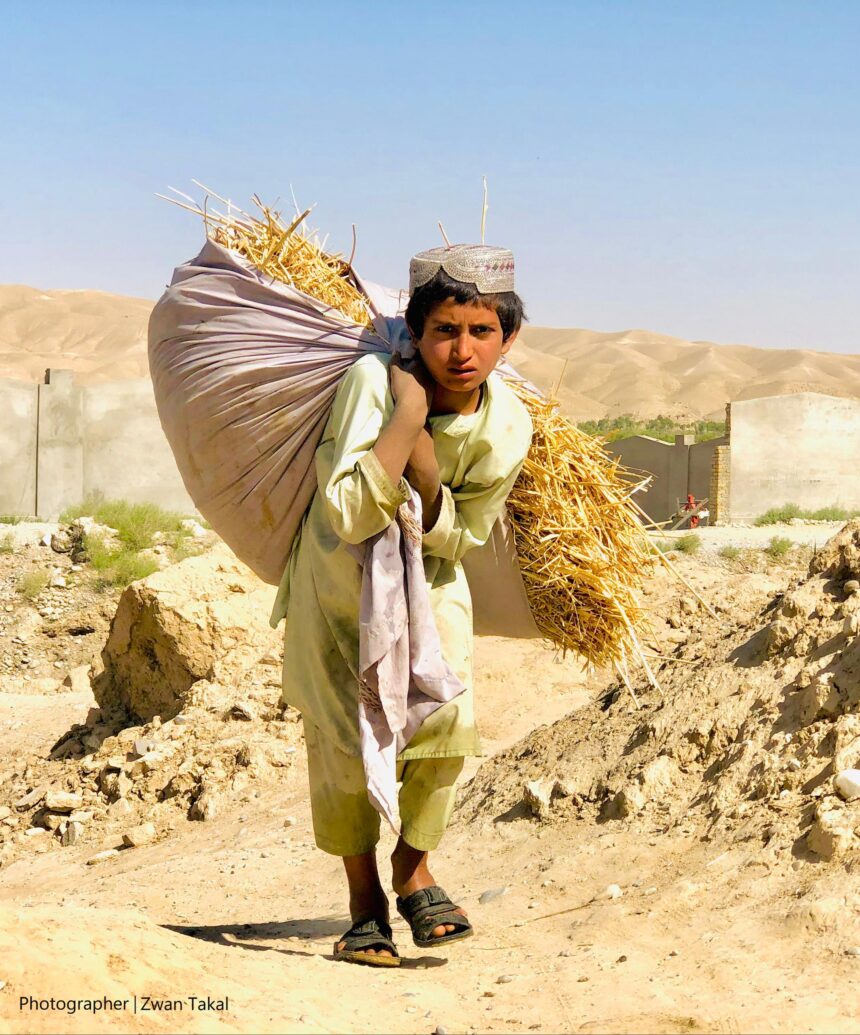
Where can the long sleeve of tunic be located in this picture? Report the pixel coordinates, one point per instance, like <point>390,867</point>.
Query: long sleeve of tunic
<point>479,458</point>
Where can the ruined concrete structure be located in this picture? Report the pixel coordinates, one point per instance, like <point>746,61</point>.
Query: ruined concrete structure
<point>802,448</point>
<point>677,469</point>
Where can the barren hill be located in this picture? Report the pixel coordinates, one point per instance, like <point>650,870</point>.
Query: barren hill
<point>648,374</point>
<point>103,338</point>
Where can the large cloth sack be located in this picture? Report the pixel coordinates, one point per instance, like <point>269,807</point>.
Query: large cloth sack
<point>244,371</point>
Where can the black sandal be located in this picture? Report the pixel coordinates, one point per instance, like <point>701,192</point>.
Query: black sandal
<point>428,908</point>
<point>367,934</point>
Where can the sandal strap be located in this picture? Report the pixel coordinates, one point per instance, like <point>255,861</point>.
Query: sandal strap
<point>428,908</point>
<point>368,934</point>
<point>423,899</point>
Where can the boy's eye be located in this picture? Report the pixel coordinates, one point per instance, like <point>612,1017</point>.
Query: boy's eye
<point>449,328</point>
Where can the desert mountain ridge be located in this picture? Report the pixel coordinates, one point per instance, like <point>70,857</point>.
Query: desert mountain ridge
<point>102,337</point>
<point>599,374</point>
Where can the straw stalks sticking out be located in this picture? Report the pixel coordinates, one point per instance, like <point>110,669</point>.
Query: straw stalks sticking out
<point>285,251</point>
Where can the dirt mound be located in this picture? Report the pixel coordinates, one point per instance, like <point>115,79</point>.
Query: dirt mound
<point>758,718</point>
<point>104,778</point>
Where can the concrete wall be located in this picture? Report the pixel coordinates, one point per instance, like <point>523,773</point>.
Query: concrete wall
<point>667,463</point>
<point>19,403</point>
<point>60,442</point>
<point>802,449</point>
<point>60,458</point>
<point>677,468</point>
<point>125,453</point>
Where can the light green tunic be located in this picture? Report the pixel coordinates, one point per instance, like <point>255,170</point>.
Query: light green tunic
<point>479,456</point>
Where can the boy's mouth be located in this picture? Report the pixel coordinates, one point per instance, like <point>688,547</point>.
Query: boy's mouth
<point>462,372</point>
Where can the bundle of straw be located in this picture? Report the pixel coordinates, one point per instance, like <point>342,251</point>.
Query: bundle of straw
<point>582,548</point>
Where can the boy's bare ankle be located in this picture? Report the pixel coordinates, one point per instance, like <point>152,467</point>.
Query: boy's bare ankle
<point>367,897</point>
<point>372,903</point>
<point>410,871</point>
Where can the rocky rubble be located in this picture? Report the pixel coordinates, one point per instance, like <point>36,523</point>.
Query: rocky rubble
<point>62,629</point>
<point>105,781</point>
<point>55,609</point>
<point>188,723</point>
<point>759,719</point>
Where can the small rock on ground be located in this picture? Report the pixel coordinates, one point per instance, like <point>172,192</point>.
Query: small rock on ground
<point>490,894</point>
<point>108,853</point>
<point>63,801</point>
<point>139,835</point>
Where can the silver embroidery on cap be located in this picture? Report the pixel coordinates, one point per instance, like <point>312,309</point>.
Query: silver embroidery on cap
<point>490,269</point>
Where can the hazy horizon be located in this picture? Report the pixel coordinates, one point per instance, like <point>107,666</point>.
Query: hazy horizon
<point>687,170</point>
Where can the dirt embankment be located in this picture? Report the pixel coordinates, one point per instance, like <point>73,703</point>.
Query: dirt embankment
<point>756,720</point>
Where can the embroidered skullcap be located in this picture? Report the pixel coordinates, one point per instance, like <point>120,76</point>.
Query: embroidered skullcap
<point>490,269</point>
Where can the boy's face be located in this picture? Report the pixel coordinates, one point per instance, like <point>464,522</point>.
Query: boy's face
<point>462,344</point>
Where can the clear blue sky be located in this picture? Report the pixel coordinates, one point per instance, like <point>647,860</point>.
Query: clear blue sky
<point>690,167</point>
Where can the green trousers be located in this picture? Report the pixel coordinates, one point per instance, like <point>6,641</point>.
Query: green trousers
<point>345,823</point>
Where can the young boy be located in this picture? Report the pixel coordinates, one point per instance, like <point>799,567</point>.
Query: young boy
<point>458,436</point>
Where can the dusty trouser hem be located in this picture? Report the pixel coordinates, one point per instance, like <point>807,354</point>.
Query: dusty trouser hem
<point>420,840</point>
<point>344,820</point>
<point>342,849</point>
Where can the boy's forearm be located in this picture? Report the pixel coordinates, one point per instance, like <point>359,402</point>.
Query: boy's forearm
<point>431,504</point>
<point>429,488</point>
<point>397,440</point>
<point>422,473</point>
<point>405,448</point>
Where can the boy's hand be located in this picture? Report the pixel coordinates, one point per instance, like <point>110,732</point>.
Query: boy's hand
<point>411,386</point>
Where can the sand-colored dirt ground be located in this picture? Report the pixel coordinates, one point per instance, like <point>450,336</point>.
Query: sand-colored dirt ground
<point>700,935</point>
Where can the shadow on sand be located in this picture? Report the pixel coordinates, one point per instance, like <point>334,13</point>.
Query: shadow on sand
<point>255,937</point>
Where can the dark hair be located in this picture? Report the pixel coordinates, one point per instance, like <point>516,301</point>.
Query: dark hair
<point>507,304</point>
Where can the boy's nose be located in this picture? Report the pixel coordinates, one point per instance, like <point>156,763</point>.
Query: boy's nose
<point>462,349</point>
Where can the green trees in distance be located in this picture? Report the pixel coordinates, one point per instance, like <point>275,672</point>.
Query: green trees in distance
<point>663,428</point>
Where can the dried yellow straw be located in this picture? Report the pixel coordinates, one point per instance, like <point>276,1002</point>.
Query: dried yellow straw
<point>284,251</point>
<point>582,549</point>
